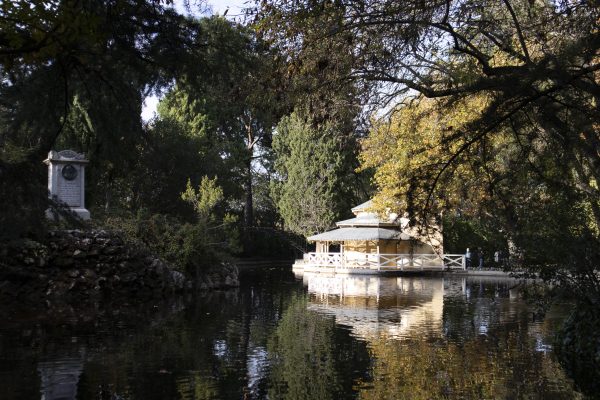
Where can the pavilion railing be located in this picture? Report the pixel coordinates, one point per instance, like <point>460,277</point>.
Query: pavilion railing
<point>386,261</point>
<point>324,259</point>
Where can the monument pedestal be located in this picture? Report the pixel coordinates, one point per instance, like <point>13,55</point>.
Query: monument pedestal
<point>82,213</point>
<point>66,182</point>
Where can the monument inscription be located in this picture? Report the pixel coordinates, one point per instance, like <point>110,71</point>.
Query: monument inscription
<point>69,192</point>
<point>66,181</point>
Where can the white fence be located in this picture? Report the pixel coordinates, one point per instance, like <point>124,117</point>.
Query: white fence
<point>324,259</point>
<point>384,262</point>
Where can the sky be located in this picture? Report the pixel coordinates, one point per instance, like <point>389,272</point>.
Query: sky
<point>218,7</point>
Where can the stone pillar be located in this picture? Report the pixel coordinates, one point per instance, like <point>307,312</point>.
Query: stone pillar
<point>66,181</point>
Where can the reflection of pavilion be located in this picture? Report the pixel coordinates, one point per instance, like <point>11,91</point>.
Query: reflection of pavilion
<point>60,377</point>
<point>373,306</point>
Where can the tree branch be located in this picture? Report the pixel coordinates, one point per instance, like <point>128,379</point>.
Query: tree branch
<point>518,28</point>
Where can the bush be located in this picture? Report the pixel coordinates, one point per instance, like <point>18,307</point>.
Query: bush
<point>184,245</point>
<point>578,348</point>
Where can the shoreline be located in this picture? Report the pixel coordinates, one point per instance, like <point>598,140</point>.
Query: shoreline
<point>84,266</point>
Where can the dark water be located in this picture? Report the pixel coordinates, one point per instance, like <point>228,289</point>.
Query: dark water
<point>286,337</point>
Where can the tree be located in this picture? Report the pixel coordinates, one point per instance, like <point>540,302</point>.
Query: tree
<point>204,200</point>
<point>231,98</point>
<point>315,184</point>
<point>532,65</point>
<point>94,49</point>
<point>108,54</point>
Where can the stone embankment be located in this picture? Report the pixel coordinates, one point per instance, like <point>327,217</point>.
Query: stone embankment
<point>78,265</point>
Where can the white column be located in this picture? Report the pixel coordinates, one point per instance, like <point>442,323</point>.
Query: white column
<point>82,172</point>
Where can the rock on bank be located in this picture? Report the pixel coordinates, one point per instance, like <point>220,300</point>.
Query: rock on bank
<point>76,264</point>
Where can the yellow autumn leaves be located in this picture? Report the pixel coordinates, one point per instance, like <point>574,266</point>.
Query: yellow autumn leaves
<point>420,156</point>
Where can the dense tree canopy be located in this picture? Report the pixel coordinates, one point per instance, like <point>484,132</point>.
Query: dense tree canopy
<point>230,100</point>
<point>535,62</point>
<point>516,92</point>
<point>485,112</point>
<point>109,53</point>
<point>67,61</point>
<point>74,75</point>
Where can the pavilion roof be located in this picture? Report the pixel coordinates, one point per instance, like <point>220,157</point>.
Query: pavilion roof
<point>363,207</point>
<point>366,220</point>
<point>359,234</point>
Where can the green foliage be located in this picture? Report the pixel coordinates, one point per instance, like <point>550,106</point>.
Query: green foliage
<point>184,245</point>
<point>230,102</point>
<point>205,199</point>
<point>320,363</point>
<point>22,203</point>
<point>74,74</point>
<point>89,51</point>
<point>187,246</point>
<point>316,145</point>
<point>496,117</point>
<point>315,184</point>
<point>502,117</point>
<point>578,347</point>
<point>184,141</point>
<point>274,243</point>
<point>191,246</point>
<point>79,132</point>
<point>462,232</point>
<point>315,78</point>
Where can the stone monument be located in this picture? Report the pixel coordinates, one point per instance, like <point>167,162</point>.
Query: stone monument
<point>66,181</point>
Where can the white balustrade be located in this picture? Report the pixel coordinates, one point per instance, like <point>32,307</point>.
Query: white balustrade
<point>386,261</point>
<point>323,259</point>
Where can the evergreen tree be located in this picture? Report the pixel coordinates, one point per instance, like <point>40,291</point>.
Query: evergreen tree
<point>315,183</point>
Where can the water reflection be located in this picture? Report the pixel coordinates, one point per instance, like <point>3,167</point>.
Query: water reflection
<point>404,307</point>
<point>59,378</point>
<point>444,337</point>
<point>374,306</point>
<point>277,337</point>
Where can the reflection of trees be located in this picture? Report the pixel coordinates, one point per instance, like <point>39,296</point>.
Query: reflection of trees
<point>422,370</point>
<point>441,339</point>
<point>482,305</point>
<point>192,355</point>
<point>504,364</point>
<point>213,349</point>
<point>312,358</point>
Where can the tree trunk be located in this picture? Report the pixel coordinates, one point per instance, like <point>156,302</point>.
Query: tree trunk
<point>248,205</point>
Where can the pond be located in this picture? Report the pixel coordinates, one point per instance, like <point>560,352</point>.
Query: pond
<point>281,336</point>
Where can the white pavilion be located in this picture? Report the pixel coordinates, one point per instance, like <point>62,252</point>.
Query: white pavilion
<point>369,243</point>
